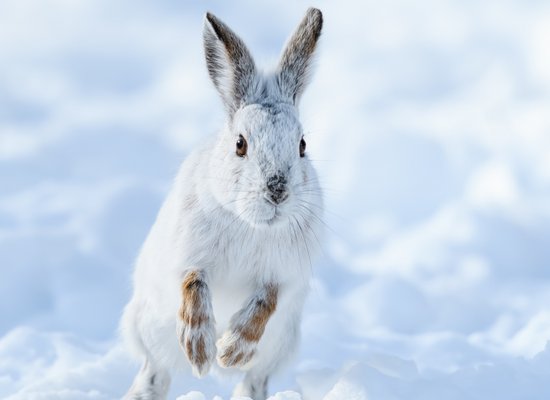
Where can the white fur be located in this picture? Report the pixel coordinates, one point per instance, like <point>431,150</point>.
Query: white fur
<point>216,219</point>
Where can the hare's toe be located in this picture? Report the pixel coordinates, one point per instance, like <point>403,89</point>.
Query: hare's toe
<point>234,350</point>
<point>198,343</point>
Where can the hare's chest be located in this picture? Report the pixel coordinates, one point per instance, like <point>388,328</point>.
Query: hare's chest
<point>257,255</point>
<point>229,294</point>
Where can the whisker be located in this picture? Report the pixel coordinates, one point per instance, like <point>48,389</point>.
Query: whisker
<point>324,209</point>
<point>305,243</point>
<point>313,214</point>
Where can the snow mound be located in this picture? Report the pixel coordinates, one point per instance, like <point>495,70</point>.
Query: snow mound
<point>40,366</point>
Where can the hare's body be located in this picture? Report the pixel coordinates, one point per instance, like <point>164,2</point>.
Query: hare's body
<point>235,260</point>
<point>225,269</point>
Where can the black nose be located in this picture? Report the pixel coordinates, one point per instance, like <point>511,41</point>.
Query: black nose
<point>277,188</point>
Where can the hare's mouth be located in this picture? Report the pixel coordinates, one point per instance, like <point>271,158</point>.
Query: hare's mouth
<point>263,213</point>
<point>275,218</point>
<point>271,216</point>
<point>272,219</point>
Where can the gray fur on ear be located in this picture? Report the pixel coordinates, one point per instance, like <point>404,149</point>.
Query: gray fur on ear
<point>293,72</point>
<point>229,63</point>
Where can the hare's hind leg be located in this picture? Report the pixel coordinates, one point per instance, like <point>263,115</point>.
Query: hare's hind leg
<point>253,386</point>
<point>149,384</point>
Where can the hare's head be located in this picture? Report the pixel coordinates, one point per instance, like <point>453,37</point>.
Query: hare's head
<point>260,167</point>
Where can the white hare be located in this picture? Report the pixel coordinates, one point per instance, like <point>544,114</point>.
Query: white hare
<point>224,272</point>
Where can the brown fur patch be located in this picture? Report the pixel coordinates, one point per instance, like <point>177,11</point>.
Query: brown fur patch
<point>197,355</point>
<point>189,349</point>
<point>194,298</point>
<point>263,308</point>
<point>232,356</point>
<point>238,358</point>
<point>195,312</point>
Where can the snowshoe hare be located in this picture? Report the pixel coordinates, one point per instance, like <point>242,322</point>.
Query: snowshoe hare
<point>225,269</point>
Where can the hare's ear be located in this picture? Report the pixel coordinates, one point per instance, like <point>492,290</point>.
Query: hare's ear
<point>294,68</point>
<point>229,63</point>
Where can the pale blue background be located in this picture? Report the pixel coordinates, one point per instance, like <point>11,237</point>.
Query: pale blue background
<point>429,125</point>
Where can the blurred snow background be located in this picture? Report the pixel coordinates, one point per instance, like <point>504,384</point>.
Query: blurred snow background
<point>430,127</point>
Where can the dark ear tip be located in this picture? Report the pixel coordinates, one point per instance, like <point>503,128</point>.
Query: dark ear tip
<point>214,23</point>
<point>212,20</point>
<point>315,14</point>
<point>315,17</point>
<point>209,16</point>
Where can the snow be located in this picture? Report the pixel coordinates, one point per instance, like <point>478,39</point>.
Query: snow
<point>428,124</point>
<point>60,366</point>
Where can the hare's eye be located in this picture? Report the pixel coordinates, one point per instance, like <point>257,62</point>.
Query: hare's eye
<point>302,147</point>
<point>242,146</point>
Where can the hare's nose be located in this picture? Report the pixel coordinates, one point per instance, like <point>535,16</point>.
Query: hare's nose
<point>276,186</point>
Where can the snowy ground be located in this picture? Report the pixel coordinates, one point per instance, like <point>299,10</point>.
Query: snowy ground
<point>429,125</point>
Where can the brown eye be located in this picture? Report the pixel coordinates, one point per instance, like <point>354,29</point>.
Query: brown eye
<point>302,147</point>
<point>242,146</point>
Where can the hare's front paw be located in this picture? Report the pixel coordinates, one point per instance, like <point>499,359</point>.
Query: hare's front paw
<point>199,344</point>
<point>234,350</point>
